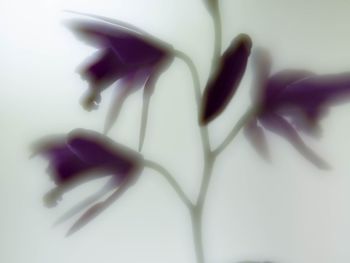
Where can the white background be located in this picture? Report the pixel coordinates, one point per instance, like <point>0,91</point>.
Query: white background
<point>287,211</point>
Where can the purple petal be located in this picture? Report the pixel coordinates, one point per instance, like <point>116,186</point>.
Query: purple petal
<point>87,202</point>
<point>102,152</point>
<point>257,138</point>
<point>131,47</point>
<point>314,94</point>
<point>280,126</point>
<point>116,106</point>
<point>98,208</point>
<point>86,155</point>
<point>278,83</point>
<point>144,118</point>
<point>88,216</point>
<point>104,70</point>
<point>223,85</point>
<point>65,164</point>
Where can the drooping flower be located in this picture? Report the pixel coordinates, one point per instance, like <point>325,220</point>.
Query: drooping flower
<point>293,101</point>
<point>125,54</point>
<point>225,81</point>
<point>82,156</point>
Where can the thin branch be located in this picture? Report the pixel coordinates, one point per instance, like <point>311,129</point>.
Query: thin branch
<point>218,35</point>
<point>194,72</point>
<point>207,174</point>
<point>198,96</point>
<point>171,180</point>
<point>239,125</point>
<point>209,158</point>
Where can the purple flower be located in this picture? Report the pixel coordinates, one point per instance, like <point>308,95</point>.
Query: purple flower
<point>224,83</point>
<point>125,53</point>
<point>83,156</point>
<point>293,101</point>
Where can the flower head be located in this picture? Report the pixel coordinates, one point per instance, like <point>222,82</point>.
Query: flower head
<point>83,156</point>
<point>125,54</point>
<point>290,101</point>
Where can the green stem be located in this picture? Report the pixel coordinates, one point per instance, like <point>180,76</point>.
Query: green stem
<point>198,96</point>
<point>171,180</point>
<point>195,211</point>
<point>209,158</point>
<point>196,220</point>
<point>239,125</point>
<point>217,35</point>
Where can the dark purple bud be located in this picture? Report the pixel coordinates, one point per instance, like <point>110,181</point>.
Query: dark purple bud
<point>224,83</point>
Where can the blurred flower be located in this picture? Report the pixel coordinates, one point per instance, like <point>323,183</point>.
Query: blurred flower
<point>211,5</point>
<point>290,101</point>
<point>224,83</point>
<point>125,53</point>
<point>83,156</point>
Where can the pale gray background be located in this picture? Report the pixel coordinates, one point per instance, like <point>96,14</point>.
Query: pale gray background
<point>288,211</point>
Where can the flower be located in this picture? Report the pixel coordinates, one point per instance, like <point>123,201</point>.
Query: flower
<point>225,81</point>
<point>125,53</point>
<point>82,156</point>
<point>292,101</point>
<point>211,5</point>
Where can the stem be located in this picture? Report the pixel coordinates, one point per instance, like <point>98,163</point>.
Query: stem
<point>209,158</point>
<point>196,220</point>
<point>207,173</point>
<point>196,211</point>
<point>198,96</point>
<point>218,35</point>
<point>239,125</point>
<point>171,180</point>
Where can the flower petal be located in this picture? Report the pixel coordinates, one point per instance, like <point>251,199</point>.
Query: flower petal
<point>280,126</point>
<point>314,94</point>
<point>98,208</point>
<point>116,106</point>
<point>88,216</point>
<point>131,47</point>
<point>97,149</point>
<point>111,184</point>
<point>105,69</point>
<point>255,134</point>
<point>85,155</point>
<point>278,83</point>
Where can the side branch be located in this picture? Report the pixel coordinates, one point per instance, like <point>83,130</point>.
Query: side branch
<point>171,180</point>
<point>198,95</point>
<point>239,125</point>
<point>195,76</point>
<point>218,35</point>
